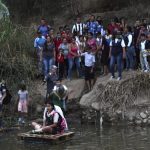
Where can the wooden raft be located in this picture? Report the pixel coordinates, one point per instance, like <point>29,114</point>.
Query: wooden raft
<point>58,138</point>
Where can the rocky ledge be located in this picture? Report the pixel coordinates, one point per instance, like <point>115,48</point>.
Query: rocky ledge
<point>116,101</point>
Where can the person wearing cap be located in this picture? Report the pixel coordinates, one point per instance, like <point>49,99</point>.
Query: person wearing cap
<point>51,79</point>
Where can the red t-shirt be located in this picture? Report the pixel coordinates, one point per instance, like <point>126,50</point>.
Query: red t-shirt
<point>57,43</point>
<point>92,44</point>
<point>112,28</point>
<point>60,58</point>
<point>74,50</point>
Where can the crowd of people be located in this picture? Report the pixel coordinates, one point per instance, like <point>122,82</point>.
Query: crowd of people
<point>89,44</point>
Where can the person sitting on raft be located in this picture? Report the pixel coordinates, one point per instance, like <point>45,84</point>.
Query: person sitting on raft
<point>53,122</point>
<point>57,109</point>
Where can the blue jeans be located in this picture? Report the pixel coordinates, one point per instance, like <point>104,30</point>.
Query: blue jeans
<point>47,62</point>
<point>71,62</point>
<point>130,57</point>
<point>118,59</point>
<point>144,61</point>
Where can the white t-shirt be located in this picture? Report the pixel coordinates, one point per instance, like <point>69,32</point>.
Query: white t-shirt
<point>1,94</point>
<point>1,97</point>
<point>89,59</point>
<point>36,41</point>
<point>142,45</point>
<point>23,95</point>
<point>130,38</point>
<point>99,41</point>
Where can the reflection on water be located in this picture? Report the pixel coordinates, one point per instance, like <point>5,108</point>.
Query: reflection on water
<point>87,137</point>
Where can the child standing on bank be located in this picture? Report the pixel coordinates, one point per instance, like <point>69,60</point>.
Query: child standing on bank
<point>23,103</point>
<point>89,59</point>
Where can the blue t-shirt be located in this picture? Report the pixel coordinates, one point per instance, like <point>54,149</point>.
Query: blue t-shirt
<point>92,27</point>
<point>39,42</point>
<point>43,29</point>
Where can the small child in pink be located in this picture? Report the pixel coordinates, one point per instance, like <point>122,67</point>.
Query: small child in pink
<point>23,103</point>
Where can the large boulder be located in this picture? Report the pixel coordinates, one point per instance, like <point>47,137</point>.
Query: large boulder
<point>75,88</point>
<point>131,93</point>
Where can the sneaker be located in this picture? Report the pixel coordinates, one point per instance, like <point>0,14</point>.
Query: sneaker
<point>145,71</point>
<point>119,78</point>
<point>23,122</point>
<point>19,121</point>
<point>33,131</point>
<point>112,77</point>
<point>68,79</point>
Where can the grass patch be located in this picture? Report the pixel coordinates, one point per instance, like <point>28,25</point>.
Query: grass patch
<point>17,56</point>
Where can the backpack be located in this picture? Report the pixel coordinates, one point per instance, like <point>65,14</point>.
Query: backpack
<point>61,122</point>
<point>8,96</point>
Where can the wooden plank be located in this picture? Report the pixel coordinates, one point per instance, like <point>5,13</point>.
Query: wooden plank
<point>44,137</point>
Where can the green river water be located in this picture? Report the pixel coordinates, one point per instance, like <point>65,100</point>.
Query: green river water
<point>87,137</point>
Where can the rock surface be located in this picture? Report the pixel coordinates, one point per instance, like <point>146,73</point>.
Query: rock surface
<point>75,88</point>
<point>130,97</point>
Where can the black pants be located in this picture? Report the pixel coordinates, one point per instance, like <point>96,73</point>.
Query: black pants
<point>137,51</point>
<point>61,70</point>
<point>88,74</point>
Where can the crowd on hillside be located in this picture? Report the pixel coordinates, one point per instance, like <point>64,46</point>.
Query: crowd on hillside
<point>89,44</point>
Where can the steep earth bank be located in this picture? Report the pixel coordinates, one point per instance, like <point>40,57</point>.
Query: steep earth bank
<point>127,100</point>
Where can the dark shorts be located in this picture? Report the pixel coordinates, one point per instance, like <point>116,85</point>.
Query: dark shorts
<point>88,74</point>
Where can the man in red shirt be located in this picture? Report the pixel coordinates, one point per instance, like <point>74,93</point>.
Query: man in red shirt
<point>113,26</point>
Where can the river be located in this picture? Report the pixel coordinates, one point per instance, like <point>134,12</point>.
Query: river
<point>87,137</point>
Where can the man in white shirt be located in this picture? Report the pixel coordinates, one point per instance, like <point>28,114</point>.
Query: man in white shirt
<point>78,27</point>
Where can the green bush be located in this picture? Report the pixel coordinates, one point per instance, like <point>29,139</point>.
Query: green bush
<point>17,56</point>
